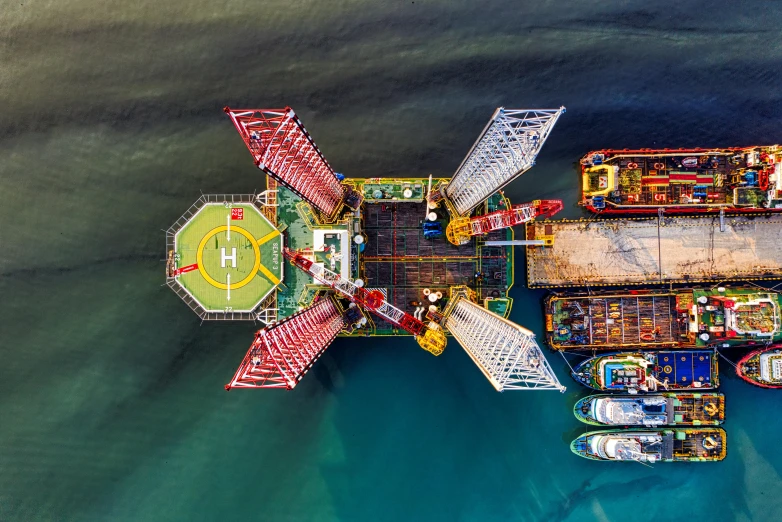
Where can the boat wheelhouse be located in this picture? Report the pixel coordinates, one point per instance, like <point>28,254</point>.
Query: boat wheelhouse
<point>739,179</point>
<point>649,371</point>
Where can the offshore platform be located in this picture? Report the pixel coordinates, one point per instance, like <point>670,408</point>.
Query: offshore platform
<point>429,258</point>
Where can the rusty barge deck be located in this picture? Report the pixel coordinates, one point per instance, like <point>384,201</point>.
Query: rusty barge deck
<point>640,251</point>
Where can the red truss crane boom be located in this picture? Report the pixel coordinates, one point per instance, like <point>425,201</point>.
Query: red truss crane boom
<point>516,215</point>
<point>430,339</point>
<point>282,147</point>
<point>460,230</point>
<point>282,353</point>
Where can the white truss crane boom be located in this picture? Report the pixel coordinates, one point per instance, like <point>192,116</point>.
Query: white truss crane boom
<point>506,149</point>
<point>506,353</point>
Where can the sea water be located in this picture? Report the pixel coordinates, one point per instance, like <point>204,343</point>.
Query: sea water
<point>112,405</point>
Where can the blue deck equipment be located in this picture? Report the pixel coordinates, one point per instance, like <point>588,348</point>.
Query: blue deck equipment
<point>684,368</point>
<point>432,229</point>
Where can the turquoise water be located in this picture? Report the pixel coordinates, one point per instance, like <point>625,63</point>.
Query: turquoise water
<point>111,399</point>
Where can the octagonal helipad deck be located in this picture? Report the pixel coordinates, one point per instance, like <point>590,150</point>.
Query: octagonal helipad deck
<point>227,257</point>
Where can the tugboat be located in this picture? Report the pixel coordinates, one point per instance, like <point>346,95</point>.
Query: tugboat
<point>654,319</point>
<point>762,367</point>
<point>677,181</point>
<point>661,409</point>
<point>650,446</point>
<point>649,371</point>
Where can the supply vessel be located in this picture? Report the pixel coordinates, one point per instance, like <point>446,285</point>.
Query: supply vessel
<point>650,446</point>
<point>658,409</point>
<point>653,319</point>
<point>762,367</point>
<point>645,181</point>
<point>649,371</point>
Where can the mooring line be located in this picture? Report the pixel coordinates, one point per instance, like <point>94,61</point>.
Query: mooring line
<point>727,360</point>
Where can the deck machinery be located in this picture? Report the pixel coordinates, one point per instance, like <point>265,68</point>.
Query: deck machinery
<point>367,256</point>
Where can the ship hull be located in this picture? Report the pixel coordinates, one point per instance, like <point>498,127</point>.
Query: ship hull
<point>645,372</point>
<point>653,445</point>
<point>750,367</point>
<point>696,318</point>
<point>660,409</point>
<point>677,181</point>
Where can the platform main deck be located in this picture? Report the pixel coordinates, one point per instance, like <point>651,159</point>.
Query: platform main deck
<point>655,250</point>
<point>394,256</point>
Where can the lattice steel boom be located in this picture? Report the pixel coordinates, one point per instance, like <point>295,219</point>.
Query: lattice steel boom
<point>282,353</point>
<point>430,339</point>
<point>506,353</point>
<point>506,148</point>
<point>461,229</point>
<point>282,147</point>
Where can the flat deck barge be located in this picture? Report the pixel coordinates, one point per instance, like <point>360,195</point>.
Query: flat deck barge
<point>640,251</point>
<point>654,319</point>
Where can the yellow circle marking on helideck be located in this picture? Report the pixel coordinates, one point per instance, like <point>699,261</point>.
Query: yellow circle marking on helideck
<point>200,257</point>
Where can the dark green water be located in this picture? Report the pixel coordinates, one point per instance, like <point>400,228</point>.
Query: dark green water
<point>111,398</point>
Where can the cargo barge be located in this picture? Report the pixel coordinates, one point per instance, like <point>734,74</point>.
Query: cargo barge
<point>648,319</point>
<point>762,367</point>
<point>649,371</point>
<point>660,409</point>
<point>657,250</point>
<point>650,446</point>
<point>645,181</point>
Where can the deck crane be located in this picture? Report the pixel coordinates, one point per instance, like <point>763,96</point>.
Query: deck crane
<point>283,149</point>
<point>505,150</point>
<point>430,337</point>
<point>506,353</point>
<point>284,351</point>
<point>461,229</point>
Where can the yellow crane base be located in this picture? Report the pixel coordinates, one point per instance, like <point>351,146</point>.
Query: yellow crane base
<point>459,231</point>
<point>433,341</point>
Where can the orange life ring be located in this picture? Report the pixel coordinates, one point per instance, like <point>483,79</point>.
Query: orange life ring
<point>659,166</point>
<point>659,197</point>
<point>632,165</point>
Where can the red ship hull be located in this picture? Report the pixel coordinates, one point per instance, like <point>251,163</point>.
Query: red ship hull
<point>746,180</point>
<point>741,370</point>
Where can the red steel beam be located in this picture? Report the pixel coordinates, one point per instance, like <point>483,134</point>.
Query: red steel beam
<point>282,147</point>
<point>282,353</point>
